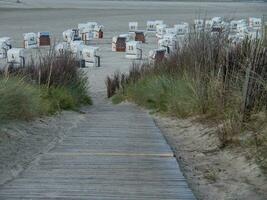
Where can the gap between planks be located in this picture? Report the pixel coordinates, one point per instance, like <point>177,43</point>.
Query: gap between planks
<point>114,154</point>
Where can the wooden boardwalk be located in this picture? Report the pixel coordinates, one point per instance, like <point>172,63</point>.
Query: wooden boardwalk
<point>116,153</point>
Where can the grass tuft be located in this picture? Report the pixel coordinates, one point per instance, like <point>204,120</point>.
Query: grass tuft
<point>50,85</point>
<point>209,78</point>
<point>19,100</point>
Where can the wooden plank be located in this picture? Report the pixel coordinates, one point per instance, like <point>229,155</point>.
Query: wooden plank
<point>123,158</point>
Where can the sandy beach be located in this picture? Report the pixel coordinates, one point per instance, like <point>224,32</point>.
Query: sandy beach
<point>57,16</point>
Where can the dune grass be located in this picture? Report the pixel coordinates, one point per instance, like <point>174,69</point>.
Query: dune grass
<point>19,100</point>
<point>208,78</point>
<point>44,88</point>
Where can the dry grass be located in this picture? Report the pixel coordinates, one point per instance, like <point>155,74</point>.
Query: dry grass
<point>57,82</point>
<point>209,77</point>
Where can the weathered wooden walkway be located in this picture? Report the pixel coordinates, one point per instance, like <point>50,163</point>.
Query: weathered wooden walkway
<point>116,153</point>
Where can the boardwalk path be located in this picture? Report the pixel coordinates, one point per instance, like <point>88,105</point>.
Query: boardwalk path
<point>116,153</point>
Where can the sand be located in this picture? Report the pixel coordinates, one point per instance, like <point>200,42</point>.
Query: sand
<point>23,142</point>
<point>57,16</point>
<point>211,171</point>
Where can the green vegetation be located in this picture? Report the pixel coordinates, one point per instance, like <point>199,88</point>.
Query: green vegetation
<point>19,100</point>
<point>52,85</point>
<point>208,78</point>
<point>163,94</point>
<point>63,98</point>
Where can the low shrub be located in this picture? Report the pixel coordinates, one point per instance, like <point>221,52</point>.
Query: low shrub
<point>163,94</point>
<point>63,98</point>
<point>19,100</point>
<point>177,97</point>
<point>48,86</point>
<point>63,78</point>
<point>79,90</point>
<point>59,98</point>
